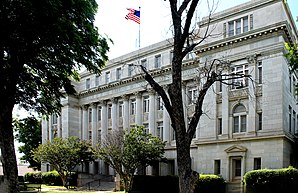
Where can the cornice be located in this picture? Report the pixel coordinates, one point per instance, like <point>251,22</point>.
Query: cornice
<point>134,79</point>
<point>280,27</point>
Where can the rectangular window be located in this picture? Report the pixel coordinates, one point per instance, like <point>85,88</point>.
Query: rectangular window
<point>146,104</point>
<point>90,135</point>
<point>238,26</point>
<point>99,136</point>
<point>251,21</point>
<point>219,127</point>
<point>130,69</point>
<point>97,77</point>
<point>243,123</point>
<point>133,106</point>
<point>118,73</point>
<point>54,119</point>
<point>146,128</point>
<point>290,119</point>
<point>159,131</point>
<point>109,111</point>
<point>144,63</point>
<point>159,103</point>
<point>88,83</point>
<point>217,167</point>
<point>294,121</point>
<point>192,95</point>
<point>236,124</point>
<point>257,163</point>
<point>260,72</point>
<point>121,109</point>
<point>240,82</point>
<point>108,77</point>
<point>157,61</point>
<point>260,121</point>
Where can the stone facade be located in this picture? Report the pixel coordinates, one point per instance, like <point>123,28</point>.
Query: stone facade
<point>247,123</point>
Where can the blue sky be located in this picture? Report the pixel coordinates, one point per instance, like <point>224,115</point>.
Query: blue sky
<point>155,21</point>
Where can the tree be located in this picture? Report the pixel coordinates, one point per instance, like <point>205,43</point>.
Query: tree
<point>42,45</point>
<point>64,154</point>
<point>185,39</point>
<point>126,151</point>
<point>29,134</point>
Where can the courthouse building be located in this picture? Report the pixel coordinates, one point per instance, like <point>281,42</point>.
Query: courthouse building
<point>247,123</point>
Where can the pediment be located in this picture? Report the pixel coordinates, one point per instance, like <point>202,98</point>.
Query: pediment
<point>236,148</point>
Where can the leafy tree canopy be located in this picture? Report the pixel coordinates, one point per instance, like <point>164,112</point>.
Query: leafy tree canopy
<point>64,154</point>
<point>29,134</point>
<point>126,151</point>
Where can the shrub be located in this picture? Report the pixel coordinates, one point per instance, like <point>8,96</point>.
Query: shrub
<point>51,178</point>
<point>273,181</point>
<point>33,177</point>
<point>210,183</point>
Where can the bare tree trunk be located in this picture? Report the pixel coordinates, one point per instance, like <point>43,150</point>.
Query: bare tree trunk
<point>9,161</point>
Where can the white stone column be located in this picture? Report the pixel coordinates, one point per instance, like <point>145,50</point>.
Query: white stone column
<point>104,120</point>
<point>152,110</point>
<point>125,111</point>
<point>185,102</point>
<point>252,104</point>
<point>166,122</point>
<point>50,128</point>
<point>225,110</point>
<point>139,113</point>
<point>94,124</point>
<point>85,122</point>
<point>59,126</point>
<point>45,130</point>
<point>114,114</point>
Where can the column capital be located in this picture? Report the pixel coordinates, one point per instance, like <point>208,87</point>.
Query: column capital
<point>94,104</point>
<point>125,97</point>
<point>114,100</point>
<point>138,94</point>
<point>85,106</point>
<point>151,91</point>
<point>103,102</point>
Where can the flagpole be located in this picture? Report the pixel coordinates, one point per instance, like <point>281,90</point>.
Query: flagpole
<point>140,29</point>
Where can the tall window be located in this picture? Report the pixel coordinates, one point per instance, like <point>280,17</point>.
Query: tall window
<point>219,126</point>
<point>157,61</point>
<point>90,115</point>
<point>54,119</point>
<point>108,77</point>
<point>144,63</point>
<point>257,163</point>
<point>260,121</point>
<point>109,111</point>
<point>239,117</point>
<point>294,121</point>
<point>238,26</point>
<point>146,104</point>
<point>260,72</point>
<point>290,119</point>
<point>118,73</point>
<point>240,82</point>
<point>87,83</point>
<point>159,103</point>
<point>97,77</point>
<point>159,130</point>
<point>121,109</point>
<point>217,167</point>
<point>192,95</point>
<point>130,69</point>
<point>133,106</point>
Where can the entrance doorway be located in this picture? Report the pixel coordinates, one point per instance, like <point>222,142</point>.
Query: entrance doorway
<point>236,169</point>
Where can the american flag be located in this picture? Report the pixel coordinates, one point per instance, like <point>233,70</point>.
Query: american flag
<point>133,15</point>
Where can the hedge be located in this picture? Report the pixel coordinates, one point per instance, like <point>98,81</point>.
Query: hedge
<point>49,178</point>
<point>273,181</point>
<point>210,183</point>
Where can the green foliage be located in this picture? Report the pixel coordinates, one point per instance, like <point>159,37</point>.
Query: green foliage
<point>28,133</point>
<point>273,181</point>
<point>64,154</point>
<point>33,177</point>
<point>51,178</point>
<point>208,183</point>
<point>125,151</point>
<point>156,184</point>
